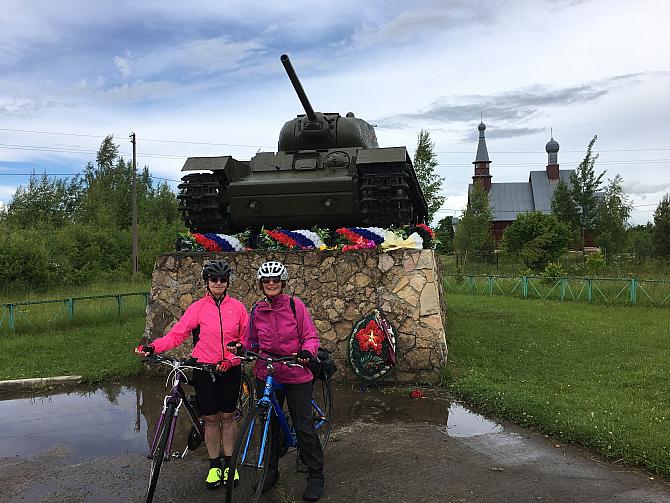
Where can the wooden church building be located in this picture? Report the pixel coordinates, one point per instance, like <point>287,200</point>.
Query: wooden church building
<point>508,199</point>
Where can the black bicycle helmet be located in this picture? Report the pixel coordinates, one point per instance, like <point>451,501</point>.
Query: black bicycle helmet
<point>216,269</point>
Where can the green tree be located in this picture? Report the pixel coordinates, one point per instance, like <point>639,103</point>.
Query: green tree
<point>662,227</point>
<point>537,238</point>
<point>44,202</point>
<point>585,185</point>
<point>563,206</point>
<point>613,214</point>
<point>108,189</point>
<point>473,230</point>
<point>444,234</point>
<point>424,164</point>
<point>639,240</point>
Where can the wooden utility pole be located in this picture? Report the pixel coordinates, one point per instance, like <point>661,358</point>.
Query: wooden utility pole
<point>135,258</point>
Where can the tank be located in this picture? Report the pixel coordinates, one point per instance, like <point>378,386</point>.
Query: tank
<point>328,171</point>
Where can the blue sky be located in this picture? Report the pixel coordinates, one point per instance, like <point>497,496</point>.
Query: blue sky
<point>204,78</point>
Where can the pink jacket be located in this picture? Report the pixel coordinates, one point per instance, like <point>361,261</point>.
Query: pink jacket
<point>276,330</point>
<point>219,325</point>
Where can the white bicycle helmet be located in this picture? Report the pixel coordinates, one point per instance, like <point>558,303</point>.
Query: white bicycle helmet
<point>272,269</point>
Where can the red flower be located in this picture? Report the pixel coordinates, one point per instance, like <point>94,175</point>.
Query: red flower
<point>282,238</point>
<point>370,338</point>
<point>206,243</point>
<point>417,393</point>
<point>427,229</point>
<point>357,241</point>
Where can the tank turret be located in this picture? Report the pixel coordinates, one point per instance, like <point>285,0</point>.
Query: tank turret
<point>316,130</point>
<point>329,171</point>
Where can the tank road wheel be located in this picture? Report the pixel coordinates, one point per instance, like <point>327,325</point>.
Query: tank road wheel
<point>386,195</point>
<point>201,202</point>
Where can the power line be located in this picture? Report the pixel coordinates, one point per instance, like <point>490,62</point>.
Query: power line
<point>544,152</point>
<point>152,155</point>
<point>143,139</point>
<point>67,175</point>
<point>648,149</point>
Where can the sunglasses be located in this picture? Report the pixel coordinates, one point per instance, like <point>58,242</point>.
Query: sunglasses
<point>274,279</point>
<point>218,280</point>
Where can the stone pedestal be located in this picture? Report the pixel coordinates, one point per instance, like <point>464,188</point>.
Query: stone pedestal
<point>338,288</point>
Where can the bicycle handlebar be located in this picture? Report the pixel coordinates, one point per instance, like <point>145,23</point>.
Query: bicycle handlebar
<point>289,361</point>
<point>181,362</point>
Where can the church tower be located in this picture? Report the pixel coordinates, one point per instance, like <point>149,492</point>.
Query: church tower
<point>481,162</point>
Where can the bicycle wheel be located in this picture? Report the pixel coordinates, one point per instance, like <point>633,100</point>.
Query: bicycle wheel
<point>245,401</point>
<point>322,410</point>
<point>250,458</point>
<point>158,454</point>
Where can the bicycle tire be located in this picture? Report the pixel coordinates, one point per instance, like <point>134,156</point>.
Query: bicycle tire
<point>245,399</point>
<point>323,396</point>
<point>159,452</point>
<point>253,469</point>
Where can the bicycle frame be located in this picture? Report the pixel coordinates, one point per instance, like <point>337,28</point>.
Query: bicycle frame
<point>270,403</point>
<point>179,398</point>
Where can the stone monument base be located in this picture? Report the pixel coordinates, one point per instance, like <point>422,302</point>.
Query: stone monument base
<point>339,288</point>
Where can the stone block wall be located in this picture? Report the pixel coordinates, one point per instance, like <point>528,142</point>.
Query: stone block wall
<point>338,288</point>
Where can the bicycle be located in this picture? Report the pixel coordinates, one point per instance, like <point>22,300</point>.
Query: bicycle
<point>172,403</point>
<point>252,448</point>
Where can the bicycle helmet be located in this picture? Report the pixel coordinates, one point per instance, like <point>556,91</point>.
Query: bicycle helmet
<point>216,269</point>
<point>272,269</point>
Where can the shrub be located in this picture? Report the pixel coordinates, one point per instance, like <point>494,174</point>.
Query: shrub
<point>595,263</point>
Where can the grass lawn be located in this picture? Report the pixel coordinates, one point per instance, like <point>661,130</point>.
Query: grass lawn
<point>95,351</point>
<point>595,375</point>
<point>95,344</point>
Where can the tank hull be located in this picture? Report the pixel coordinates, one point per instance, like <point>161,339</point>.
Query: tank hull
<point>327,188</point>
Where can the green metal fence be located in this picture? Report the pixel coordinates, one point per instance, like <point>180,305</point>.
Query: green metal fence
<point>62,308</point>
<point>630,291</point>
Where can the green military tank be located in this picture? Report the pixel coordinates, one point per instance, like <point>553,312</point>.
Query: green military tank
<point>329,171</point>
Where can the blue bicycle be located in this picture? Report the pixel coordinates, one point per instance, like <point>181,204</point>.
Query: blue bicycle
<point>252,449</point>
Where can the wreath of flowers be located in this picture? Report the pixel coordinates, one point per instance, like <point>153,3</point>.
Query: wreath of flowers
<point>372,346</point>
<point>301,239</point>
<point>370,338</point>
<point>356,239</point>
<point>218,242</point>
<point>344,238</point>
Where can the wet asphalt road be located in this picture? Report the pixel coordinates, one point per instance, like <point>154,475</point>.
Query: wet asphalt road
<point>89,444</point>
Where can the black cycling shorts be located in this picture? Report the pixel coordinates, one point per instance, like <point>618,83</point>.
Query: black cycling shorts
<point>220,395</point>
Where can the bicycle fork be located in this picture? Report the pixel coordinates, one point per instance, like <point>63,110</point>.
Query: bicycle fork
<point>159,427</point>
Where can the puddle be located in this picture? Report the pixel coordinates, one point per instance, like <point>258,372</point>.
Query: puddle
<point>119,418</point>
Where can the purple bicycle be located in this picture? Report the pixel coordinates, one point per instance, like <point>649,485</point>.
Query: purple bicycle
<point>161,445</point>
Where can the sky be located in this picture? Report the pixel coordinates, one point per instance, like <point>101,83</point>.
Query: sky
<point>203,78</point>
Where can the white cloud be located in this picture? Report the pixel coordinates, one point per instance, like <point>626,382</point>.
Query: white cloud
<point>123,65</point>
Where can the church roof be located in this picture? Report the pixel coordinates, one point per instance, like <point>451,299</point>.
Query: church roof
<point>509,199</point>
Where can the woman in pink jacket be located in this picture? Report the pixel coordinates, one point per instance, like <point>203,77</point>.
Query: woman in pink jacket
<point>281,325</point>
<point>218,324</point>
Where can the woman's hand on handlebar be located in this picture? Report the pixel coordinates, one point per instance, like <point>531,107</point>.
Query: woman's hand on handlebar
<point>224,365</point>
<point>303,357</point>
<point>144,350</point>
<point>236,348</point>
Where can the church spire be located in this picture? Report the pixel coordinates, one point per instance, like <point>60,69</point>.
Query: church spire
<point>552,161</point>
<point>481,162</point>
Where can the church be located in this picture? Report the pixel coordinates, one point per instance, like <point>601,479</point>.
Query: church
<point>508,199</point>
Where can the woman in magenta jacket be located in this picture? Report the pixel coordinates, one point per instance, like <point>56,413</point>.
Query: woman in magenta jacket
<point>282,326</point>
<point>218,324</point>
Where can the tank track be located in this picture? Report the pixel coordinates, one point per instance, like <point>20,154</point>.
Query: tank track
<point>201,202</point>
<point>389,195</point>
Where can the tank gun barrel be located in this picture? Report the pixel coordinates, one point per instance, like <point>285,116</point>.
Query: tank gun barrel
<point>298,86</point>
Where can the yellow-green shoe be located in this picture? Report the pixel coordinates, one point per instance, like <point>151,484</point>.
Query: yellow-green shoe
<point>236,478</point>
<point>213,478</point>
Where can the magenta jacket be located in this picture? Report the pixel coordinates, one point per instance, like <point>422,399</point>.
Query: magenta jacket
<point>219,325</point>
<point>274,329</point>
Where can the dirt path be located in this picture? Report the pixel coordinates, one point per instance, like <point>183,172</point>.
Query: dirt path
<point>395,449</point>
